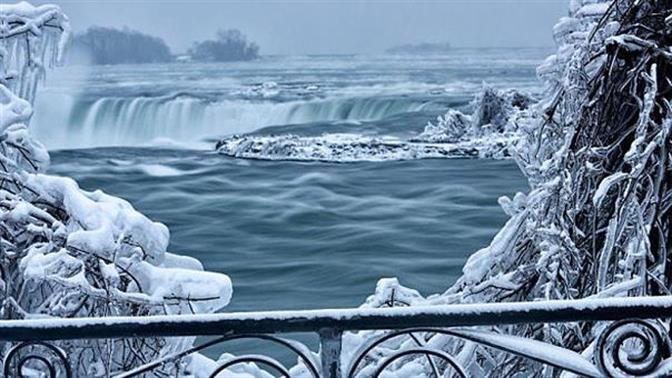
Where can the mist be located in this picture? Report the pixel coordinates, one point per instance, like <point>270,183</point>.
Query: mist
<point>330,27</point>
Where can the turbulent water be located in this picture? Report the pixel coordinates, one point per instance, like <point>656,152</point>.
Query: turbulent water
<point>187,103</point>
<point>304,235</point>
<point>290,234</point>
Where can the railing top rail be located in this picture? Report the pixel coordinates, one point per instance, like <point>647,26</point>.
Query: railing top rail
<point>605,309</point>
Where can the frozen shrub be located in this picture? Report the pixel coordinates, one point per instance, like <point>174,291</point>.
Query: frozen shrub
<point>66,252</point>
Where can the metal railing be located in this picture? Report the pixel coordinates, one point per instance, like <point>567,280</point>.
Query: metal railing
<point>634,342</point>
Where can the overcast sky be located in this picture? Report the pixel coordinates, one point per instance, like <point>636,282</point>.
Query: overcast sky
<point>329,26</point>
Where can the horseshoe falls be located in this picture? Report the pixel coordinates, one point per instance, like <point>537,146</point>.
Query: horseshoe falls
<point>189,104</point>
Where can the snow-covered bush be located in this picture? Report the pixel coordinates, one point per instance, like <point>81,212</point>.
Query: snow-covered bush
<point>596,150</point>
<point>66,252</point>
<point>493,112</point>
<point>32,40</point>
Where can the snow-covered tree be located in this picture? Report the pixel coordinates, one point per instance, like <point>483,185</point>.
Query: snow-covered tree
<point>597,152</point>
<point>66,252</point>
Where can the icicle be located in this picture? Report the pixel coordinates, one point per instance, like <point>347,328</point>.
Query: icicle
<point>32,39</point>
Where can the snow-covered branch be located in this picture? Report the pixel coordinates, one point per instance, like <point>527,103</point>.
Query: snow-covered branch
<point>596,150</point>
<point>66,252</point>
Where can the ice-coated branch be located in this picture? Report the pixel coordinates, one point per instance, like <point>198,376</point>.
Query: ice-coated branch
<point>596,150</point>
<point>32,39</point>
<point>66,252</point>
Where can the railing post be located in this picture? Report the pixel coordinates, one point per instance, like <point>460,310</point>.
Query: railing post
<point>330,348</point>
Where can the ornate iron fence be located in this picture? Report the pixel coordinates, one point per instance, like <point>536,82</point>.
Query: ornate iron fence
<point>635,340</point>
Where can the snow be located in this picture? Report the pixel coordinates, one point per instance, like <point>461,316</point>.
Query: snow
<point>97,225</point>
<point>488,133</point>
<point>629,42</point>
<point>207,291</point>
<point>606,184</point>
<point>593,10</point>
<point>74,253</point>
<point>13,109</point>
<point>348,319</point>
<point>534,349</point>
<point>481,262</point>
<point>23,65</point>
<point>450,128</point>
<point>349,148</point>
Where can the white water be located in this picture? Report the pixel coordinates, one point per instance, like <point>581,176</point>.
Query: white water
<point>190,103</point>
<point>133,121</point>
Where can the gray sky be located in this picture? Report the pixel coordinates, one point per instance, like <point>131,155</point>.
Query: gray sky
<point>329,26</point>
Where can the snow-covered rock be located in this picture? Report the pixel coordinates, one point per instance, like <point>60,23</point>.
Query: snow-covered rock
<point>487,133</point>
<point>349,148</point>
<point>452,127</point>
<point>493,111</point>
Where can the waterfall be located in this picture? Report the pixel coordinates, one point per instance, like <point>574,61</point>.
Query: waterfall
<point>109,121</point>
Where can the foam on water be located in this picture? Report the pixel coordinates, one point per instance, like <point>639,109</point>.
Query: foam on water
<point>159,170</point>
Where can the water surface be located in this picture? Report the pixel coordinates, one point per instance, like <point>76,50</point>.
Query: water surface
<point>291,235</point>
<point>308,235</point>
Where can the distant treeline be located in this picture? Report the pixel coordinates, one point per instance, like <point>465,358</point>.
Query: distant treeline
<point>229,45</point>
<point>102,45</point>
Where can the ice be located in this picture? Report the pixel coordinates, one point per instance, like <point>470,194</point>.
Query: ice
<point>23,64</point>
<point>481,263</point>
<point>534,349</point>
<point>449,128</point>
<point>606,184</point>
<point>14,110</point>
<point>487,133</point>
<point>349,148</point>
<point>493,116</point>
<point>596,9</point>
<point>70,252</point>
<point>344,317</point>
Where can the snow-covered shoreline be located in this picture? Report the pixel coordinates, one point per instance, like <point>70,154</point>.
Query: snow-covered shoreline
<point>350,148</point>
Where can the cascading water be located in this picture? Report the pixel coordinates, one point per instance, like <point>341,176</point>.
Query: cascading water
<point>184,118</point>
<point>136,105</point>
